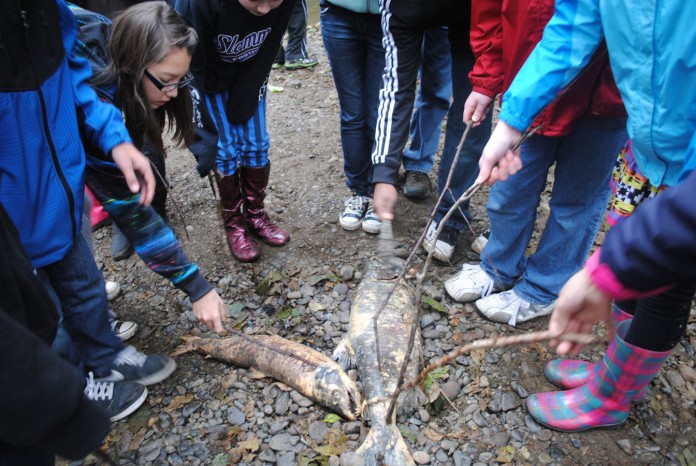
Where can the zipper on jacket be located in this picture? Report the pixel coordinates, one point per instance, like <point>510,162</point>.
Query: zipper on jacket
<point>49,138</point>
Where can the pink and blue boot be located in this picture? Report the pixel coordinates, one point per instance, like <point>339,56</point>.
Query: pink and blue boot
<point>605,400</point>
<point>571,373</point>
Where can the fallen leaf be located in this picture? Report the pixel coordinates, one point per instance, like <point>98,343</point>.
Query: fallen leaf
<point>436,305</point>
<point>506,454</point>
<point>177,402</point>
<point>330,418</point>
<point>251,445</point>
<point>433,434</point>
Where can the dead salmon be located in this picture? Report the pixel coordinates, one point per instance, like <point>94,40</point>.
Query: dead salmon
<point>384,444</point>
<point>308,371</point>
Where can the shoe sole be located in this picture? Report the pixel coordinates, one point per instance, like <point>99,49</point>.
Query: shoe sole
<point>159,376</point>
<point>128,334</point>
<point>132,408</point>
<point>371,230</point>
<point>297,67</point>
<point>416,197</point>
<point>123,255</point>
<point>437,253</point>
<point>350,227</point>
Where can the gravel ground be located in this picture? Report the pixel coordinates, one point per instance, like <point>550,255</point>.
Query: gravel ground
<point>211,413</point>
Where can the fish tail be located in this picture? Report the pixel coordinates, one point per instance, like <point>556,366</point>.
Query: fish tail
<point>344,354</point>
<point>384,445</point>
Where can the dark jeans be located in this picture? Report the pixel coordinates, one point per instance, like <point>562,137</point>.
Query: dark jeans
<point>353,43</point>
<point>467,165</point>
<point>77,288</point>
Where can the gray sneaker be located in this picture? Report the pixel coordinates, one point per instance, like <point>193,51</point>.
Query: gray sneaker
<point>133,366</point>
<point>510,308</point>
<point>118,399</point>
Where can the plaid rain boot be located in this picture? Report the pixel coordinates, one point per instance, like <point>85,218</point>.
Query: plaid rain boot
<point>605,400</point>
<point>571,373</point>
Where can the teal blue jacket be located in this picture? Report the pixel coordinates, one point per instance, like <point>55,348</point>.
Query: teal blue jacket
<point>651,47</point>
<point>358,6</point>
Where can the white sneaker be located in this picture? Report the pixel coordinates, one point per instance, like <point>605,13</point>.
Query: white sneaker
<point>124,329</point>
<point>510,308</point>
<point>443,248</point>
<point>471,283</point>
<point>353,213</point>
<point>371,222</point>
<point>112,289</point>
<point>480,242</point>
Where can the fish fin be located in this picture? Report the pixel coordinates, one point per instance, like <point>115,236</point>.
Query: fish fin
<point>186,347</point>
<point>344,355</point>
<point>384,445</point>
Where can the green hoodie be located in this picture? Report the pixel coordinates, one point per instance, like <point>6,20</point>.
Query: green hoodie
<point>358,6</point>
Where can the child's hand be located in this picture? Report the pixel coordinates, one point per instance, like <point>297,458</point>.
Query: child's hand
<point>136,169</point>
<point>498,151</point>
<point>384,200</point>
<point>210,310</point>
<point>476,108</point>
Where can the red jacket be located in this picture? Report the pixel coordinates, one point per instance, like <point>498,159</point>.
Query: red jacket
<point>504,33</point>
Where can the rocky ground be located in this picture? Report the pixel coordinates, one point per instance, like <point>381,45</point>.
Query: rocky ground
<point>208,412</point>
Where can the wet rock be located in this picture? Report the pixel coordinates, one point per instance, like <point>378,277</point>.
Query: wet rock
<point>235,416</point>
<point>510,401</point>
<point>501,439</point>
<point>347,272</point>
<point>421,457</point>
<point>282,403</point>
<point>350,458</point>
<point>461,459</point>
<point>341,289</point>
<point>451,389</point>
<point>286,459</point>
<point>318,431</point>
<point>545,435</point>
<point>191,408</point>
<point>283,442</point>
<point>267,456</point>
<point>626,446</point>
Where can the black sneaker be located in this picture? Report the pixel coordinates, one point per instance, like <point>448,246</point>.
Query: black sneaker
<point>133,366</point>
<point>118,399</point>
<point>417,185</point>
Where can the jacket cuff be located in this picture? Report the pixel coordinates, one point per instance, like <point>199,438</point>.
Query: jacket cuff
<point>482,90</point>
<point>81,434</point>
<point>604,278</point>
<point>196,287</point>
<point>385,173</point>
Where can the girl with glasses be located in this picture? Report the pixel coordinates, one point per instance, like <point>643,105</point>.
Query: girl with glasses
<point>145,72</point>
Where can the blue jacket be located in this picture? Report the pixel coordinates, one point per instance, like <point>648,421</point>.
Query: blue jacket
<point>651,47</point>
<point>42,162</point>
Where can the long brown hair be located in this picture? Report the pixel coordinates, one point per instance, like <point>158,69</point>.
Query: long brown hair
<point>142,36</point>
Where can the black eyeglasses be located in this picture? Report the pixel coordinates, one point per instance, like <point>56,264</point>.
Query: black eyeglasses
<point>185,81</point>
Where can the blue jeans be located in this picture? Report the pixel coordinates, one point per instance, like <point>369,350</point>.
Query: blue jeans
<point>77,288</point>
<point>353,43</point>
<point>432,101</point>
<point>467,165</point>
<point>584,161</point>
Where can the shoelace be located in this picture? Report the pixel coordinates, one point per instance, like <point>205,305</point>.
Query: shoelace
<point>355,203</point>
<point>98,390</point>
<point>131,357</point>
<point>510,298</point>
<point>480,278</point>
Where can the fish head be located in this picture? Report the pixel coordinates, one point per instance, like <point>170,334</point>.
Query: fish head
<point>382,268</point>
<point>339,393</point>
